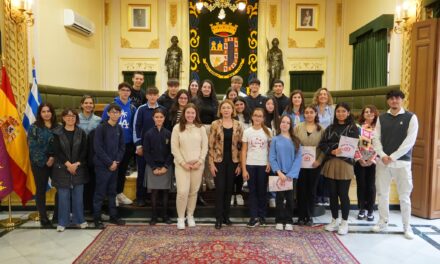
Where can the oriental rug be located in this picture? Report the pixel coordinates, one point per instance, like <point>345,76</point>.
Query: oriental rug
<point>204,244</point>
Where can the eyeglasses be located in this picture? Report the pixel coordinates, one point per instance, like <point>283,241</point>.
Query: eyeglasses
<point>114,112</point>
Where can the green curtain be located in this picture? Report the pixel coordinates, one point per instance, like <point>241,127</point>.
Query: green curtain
<point>370,54</point>
<point>149,77</point>
<point>306,81</point>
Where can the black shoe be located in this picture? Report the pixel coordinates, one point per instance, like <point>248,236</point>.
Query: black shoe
<point>218,224</point>
<point>153,221</point>
<point>117,221</point>
<point>262,221</point>
<point>253,222</point>
<point>140,203</point>
<point>45,223</point>
<point>167,220</point>
<point>309,222</point>
<point>98,224</point>
<point>370,217</point>
<point>201,201</point>
<point>361,215</point>
<point>227,221</point>
<point>301,221</point>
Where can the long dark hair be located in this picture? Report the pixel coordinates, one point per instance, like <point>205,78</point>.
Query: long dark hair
<point>230,90</point>
<point>295,139</point>
<point>318,127</point>
<point>213,95</point>
<point>274,116</point>
<point>350,118</point>
<point>289,107</point>
<point>265,128</point>
<point>246,113</point>
<point>373,110</point>
<point>175,107</point>
<point>189,87</point>
<point>182,121</point>
<point>39,122</point>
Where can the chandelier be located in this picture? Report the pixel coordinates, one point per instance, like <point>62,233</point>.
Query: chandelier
<point>222,4</point>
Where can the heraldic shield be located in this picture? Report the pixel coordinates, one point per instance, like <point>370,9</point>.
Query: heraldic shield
<point>223,48</point>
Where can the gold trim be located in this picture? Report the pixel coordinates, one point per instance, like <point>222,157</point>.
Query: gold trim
<point>147,8</point>
<point>273,15</point>
<point>292,43</point>
<point>173,14</point>
<point>339,14</point>
<point>320,43</point>
<point>154,44</point>
<point>315,16</point>
<point>125,43</point>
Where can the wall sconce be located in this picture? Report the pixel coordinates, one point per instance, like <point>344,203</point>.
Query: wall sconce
<point>21,11</point>
<point>222,4</point>
<point>403,14</point>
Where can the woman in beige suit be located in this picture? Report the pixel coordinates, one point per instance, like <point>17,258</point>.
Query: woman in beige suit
<point>189,145</point>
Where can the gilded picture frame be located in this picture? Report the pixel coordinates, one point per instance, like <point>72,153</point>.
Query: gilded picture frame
<point>139,17</point>
<point>307,17</point>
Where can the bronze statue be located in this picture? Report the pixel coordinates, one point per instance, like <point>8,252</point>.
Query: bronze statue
<point>275,61</point>
<point>173,59</point>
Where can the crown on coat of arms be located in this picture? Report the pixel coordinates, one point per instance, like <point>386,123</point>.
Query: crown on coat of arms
<point>223,29</point>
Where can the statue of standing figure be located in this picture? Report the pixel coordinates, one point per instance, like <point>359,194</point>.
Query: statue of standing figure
<point>275,61</point>
<point>173,59</point>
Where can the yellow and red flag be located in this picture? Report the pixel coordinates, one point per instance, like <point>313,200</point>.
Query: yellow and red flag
<point>15,140</point>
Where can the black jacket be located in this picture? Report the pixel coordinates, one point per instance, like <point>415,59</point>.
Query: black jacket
<point>157,148</point>
<point>69,151</point>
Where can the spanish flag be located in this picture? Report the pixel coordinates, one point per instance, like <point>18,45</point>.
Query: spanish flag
<point>14,137</point>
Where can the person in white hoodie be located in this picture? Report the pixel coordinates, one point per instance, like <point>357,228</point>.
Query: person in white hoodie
<point>189,146</point>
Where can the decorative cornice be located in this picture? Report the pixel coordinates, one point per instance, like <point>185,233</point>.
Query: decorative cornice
<point>292,43</point>
<point>306,64</point>
<point>320,43</point>
<point>154,44</point>
<point>173,14</point>
<point>125,43</point>
<point>139,64</point>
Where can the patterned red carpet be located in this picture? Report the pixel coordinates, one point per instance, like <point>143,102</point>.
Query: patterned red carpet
<point>204,244</point>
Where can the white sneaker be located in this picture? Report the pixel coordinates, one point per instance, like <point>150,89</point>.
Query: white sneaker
<point>232,199</point>
<point>408,233</point>
<point>272,203</point>
<point>343,228</point>
<point>380,226</point>
<point>240,200</point>
<point>288,227</point>
<point>122,199</point>
<point>83,225</point>
<point>190,220</point>
<point>333,226</point>
<point>60,228</point>
<point>279,227</point>
<point>105,217</point>
<point>181,223</point>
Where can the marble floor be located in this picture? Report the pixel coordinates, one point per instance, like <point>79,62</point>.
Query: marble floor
<point>30,244</point>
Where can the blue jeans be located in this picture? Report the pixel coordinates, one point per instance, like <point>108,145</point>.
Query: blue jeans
<point>257,184</point>
<point>64,195</point>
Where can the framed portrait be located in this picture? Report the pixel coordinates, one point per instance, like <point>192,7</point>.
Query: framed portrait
<point>139,17</point>
<point>307,16</point>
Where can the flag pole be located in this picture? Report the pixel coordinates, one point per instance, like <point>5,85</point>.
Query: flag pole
<point>34,216</point>
<point>10,222</point>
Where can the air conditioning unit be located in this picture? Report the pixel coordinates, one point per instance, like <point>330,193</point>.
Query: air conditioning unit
<point>78,23</point>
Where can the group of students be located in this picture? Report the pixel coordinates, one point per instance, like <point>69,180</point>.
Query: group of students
<point>188,135</point>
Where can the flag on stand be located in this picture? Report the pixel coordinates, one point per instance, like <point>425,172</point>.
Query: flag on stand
<point>14,137</point>
<point>5,173</point>
<point>34,100</point>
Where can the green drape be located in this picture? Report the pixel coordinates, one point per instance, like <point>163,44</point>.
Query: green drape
<point>149,78</point>
<point>370,55</point>
<point>306,81</point>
